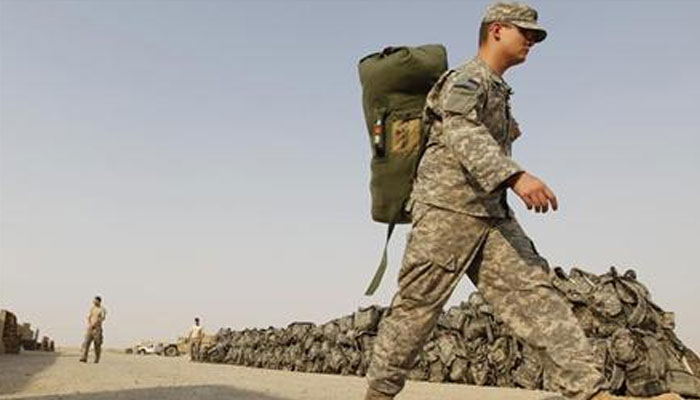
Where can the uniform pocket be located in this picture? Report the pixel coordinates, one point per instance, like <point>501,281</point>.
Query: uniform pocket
<point>430,265</point>
<point>427,282</point>
<point>433,239</point>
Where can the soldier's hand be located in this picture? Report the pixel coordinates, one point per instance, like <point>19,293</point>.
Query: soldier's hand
<point>533,192</point>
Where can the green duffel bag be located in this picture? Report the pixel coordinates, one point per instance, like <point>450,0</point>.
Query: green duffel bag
<point>395,83</point>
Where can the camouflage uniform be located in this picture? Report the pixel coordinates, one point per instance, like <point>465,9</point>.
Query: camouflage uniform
<point>462,224</point>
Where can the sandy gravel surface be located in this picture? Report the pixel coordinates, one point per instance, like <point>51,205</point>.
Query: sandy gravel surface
<point>33,375</point>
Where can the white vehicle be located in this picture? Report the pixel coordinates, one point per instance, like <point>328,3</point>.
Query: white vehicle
<point>161,349</point>
<point>149,348</point>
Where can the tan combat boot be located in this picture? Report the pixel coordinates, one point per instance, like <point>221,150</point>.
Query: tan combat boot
<point>375,395</point>
<point>608,396</point>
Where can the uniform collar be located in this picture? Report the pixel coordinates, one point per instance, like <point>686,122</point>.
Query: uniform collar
<point>493,76</point>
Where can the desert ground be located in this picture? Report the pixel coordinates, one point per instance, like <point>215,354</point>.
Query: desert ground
<point>53,376</point>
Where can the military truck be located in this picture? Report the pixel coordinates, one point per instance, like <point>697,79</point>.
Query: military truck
<point>9,338</point>
<point>2,332</point>
<point>171,349</point>
<point>181,346</point>
<point>29,339</point>
<point>46,344</point>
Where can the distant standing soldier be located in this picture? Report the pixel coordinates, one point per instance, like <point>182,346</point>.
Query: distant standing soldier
<point>463,225</point>
<point>95,318</point>
<point>195,337</point>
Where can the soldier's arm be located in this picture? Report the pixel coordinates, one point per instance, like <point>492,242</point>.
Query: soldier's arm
<point>471,140</point>
<point>481,155</point>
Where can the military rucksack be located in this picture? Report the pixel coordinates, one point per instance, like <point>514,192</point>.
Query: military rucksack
<point>395,83</point>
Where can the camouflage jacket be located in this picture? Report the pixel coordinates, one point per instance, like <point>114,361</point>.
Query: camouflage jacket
<point>467,155</point>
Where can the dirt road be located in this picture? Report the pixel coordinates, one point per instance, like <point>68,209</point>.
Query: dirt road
<point>46,376</point>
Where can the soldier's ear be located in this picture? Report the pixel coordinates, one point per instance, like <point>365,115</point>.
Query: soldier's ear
<point>495,30</point>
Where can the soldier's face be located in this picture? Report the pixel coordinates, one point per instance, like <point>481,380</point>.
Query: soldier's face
<point>515,43</point>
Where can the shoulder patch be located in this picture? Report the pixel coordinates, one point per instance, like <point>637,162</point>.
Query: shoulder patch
<point>464,96</point>
<point>469,84</point>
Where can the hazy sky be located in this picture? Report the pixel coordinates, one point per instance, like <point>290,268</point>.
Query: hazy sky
<point>209,158</point>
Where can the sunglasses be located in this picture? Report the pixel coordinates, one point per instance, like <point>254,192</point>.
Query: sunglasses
<point>529,34</point>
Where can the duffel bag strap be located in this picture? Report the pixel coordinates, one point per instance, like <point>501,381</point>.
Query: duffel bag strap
<point>381,269</point>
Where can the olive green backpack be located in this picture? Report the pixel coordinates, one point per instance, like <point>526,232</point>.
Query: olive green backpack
<point>395,83</point>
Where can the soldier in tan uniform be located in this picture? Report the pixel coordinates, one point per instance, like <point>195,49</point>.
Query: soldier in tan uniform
<point>463,225</point>
<point>95,318</point>
<point>195,336</point>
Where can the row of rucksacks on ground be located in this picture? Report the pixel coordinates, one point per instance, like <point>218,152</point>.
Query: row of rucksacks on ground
<point>632,336</point>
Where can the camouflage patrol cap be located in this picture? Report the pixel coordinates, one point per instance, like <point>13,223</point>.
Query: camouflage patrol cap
<point>518,14</point>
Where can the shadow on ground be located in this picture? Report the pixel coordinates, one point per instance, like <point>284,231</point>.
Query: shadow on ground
<point>208,392</point>
<point>19,369</point>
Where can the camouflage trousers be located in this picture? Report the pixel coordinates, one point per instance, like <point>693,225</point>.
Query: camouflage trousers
<point>502,262</point>
<point>93,335</point>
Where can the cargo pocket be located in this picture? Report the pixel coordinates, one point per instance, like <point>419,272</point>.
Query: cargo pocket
<point>430,266</point>
<point>428,282</point>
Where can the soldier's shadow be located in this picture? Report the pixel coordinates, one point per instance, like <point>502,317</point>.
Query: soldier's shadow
<point>199,392</point>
